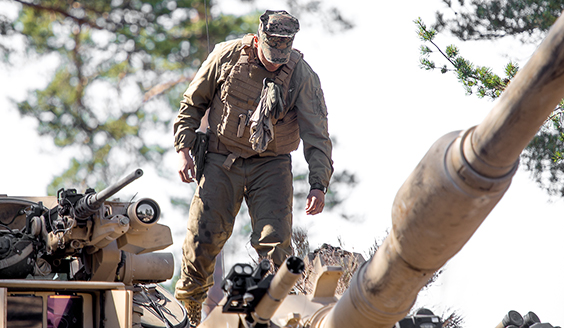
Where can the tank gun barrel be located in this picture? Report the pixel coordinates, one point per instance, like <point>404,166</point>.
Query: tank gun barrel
<point>91,202</point>
<point>523,107</point>
<point>449,194</point>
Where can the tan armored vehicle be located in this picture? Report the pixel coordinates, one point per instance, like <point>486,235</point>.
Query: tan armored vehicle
<point>81,261</point>
<point>99,255</point>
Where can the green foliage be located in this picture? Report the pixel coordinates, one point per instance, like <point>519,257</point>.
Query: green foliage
<point>527,20</point>
<point>544,155</point>
<point>341,183</point>
<point>74,173</point>
<point>180,202</point>
<point>111,54</point>
<point>493,19</point>
<point>479,80</point>
<point>452,52</point>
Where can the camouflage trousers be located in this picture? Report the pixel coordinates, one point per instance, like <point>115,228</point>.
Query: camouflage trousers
<point>265,183</point>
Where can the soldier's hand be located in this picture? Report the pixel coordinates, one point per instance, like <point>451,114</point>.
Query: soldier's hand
<point>186,166</point>
<point>315,202</point>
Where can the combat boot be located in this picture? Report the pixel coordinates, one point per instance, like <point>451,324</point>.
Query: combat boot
<point>194,312</point>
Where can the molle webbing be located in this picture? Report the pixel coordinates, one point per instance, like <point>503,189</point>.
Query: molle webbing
<point>232,107</point>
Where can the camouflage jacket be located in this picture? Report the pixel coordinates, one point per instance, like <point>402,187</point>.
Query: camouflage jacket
<point>307,97</point>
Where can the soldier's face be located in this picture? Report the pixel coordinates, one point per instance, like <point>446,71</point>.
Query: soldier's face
<point>271,67</point>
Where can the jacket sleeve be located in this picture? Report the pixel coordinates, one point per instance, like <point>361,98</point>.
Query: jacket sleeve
<point>312,120</point>
<point>197,98</point>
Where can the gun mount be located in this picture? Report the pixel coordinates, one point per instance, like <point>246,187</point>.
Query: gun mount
<point>255,295</point>
<point>82,260</point>
<point>437,210</point>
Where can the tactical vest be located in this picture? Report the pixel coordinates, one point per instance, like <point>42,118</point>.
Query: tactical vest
<point>232,108</point>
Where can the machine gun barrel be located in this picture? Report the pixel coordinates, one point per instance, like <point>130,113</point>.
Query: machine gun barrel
<point>449,194</point>
<point>281,285</point>
<point>91,202</point>
<point>97,199</point>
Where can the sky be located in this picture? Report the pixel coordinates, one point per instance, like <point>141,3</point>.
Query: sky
<point>385,112</point>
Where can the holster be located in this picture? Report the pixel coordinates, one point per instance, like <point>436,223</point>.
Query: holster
<point>199,151</point>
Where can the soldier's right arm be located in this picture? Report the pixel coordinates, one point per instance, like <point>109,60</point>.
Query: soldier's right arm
<point>195,102</point>
<point>186,168</point>
<point>198,96</point>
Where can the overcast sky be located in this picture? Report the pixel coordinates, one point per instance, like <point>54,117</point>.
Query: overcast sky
<point>385,113</point>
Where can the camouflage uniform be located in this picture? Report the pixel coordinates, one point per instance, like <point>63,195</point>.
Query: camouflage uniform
<point>262,178</point>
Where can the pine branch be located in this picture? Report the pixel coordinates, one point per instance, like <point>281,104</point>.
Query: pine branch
<point>81,21</point>
<point>429,36</point>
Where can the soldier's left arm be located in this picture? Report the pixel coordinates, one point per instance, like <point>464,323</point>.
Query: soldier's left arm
<point>313,123</point>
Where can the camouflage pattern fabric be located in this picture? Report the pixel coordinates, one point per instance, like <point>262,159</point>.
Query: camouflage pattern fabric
<point>276,35</point>
<point>307,99</point>
<point>265,183</point>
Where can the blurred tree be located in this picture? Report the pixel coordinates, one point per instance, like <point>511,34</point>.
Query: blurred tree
<point>525,20</point>
<point>122,66</point>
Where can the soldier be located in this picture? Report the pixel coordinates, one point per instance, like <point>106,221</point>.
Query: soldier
<point>262,99</point>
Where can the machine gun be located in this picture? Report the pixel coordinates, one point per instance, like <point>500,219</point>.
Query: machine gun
<point>255,295</point>
<point>97,253</point>
<point>82,207</point>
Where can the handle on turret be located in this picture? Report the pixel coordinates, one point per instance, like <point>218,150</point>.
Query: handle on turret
<point>90,203</point>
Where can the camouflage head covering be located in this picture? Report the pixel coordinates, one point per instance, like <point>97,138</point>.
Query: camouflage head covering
<point>276,34</point>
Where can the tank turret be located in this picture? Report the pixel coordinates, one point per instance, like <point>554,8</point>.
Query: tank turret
<point>82,260</point>
<point>442,203</point>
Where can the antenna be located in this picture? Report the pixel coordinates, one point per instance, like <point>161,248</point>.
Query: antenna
<point>207,28</point>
